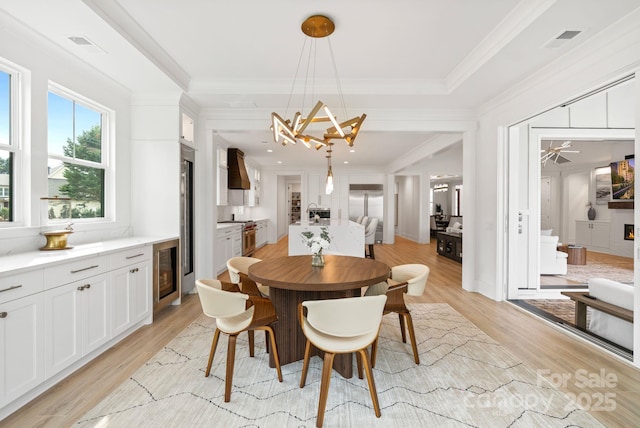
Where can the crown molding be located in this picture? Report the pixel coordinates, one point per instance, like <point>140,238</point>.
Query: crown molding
<point>604,57</point>
<point>118,19</point>
<point>348,86</point>
<point>506,31</point>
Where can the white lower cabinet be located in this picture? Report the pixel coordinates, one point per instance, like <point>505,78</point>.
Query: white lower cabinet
<point>21,346</point>
<point>593,234</point>
<point>228,244</point>
<point>131,300</point>
<point>76,321</point>
<point>66,313</point>
<point>262,233</point>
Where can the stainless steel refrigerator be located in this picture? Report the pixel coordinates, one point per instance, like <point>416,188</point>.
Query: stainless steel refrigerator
<point>367,199</point>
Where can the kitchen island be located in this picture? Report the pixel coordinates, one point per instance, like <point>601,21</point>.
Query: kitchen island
<point>347,237</point>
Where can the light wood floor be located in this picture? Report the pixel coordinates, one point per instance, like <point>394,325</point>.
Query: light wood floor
<point>536,343</point>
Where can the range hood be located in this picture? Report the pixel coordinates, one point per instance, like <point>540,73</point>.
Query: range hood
<point>237,171</point>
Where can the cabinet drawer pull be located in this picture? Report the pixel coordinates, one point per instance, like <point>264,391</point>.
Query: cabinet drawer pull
<point>134,270</point>
<point>81,288</point>
<point>11,288</point>
<point>133,257</point>
<point>83,269</point>
<point>3,314</point>
<point>88,286</point>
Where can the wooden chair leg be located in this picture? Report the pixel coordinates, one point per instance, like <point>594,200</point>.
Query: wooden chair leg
<point>359,364</point>
<point>402,328</point>
<point>371,255</point>
<point>305,364</point>
<point>231,357</point>
<point>266,340</point>
<point>268,331</point>
<point>327,368</point>
<point>412,336</point>
<point>374,352</point>
<point>251,343</point>
<point>214,345</point>
<point>372,385</point>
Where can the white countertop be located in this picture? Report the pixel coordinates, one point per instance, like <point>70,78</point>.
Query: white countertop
<point>330,222</point>
<point>14,263</point>
<point>227,225</point>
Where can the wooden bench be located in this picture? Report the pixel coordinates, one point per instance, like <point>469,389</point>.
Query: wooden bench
<point>583,300</point>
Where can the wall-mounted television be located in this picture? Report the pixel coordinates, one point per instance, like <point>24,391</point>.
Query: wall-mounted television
<point>622,177</point>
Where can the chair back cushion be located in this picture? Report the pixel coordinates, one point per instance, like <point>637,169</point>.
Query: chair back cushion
<point>348,317</point>
<point>217,303</point>
<point>370,231</point>
<point>236,265</point>
<point>415,275</point>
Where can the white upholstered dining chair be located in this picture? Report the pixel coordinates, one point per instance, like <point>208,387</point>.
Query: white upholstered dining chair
<point>410,279</point>
<point>234,313</point>
<point>340,326</point>
<point>237,265</point>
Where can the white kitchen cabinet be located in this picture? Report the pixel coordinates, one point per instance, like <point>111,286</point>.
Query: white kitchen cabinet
<point>131,294</point>
<point>228,244</point>
<point>593,234</point>
<point>76,321</point>
<point>21,346</point>
<point>262,233</point>
<point>254,191</point>
<point>236,245</point>
<point>64,312</point>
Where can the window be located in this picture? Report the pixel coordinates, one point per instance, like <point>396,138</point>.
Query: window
<point>77,166</point>
<point>8,143</point>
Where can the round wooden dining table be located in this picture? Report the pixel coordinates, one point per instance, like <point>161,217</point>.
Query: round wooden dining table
<point>292,279</point>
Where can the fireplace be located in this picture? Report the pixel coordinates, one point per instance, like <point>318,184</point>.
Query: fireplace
<point>628,232</point>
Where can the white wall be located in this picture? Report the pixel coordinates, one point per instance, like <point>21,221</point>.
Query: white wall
<point>44,62</point>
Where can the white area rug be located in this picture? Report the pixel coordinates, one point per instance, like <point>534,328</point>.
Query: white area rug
<point>465,379</point>
<point>582,273</point>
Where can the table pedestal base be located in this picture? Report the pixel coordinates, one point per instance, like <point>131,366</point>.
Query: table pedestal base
<point>289,336</point>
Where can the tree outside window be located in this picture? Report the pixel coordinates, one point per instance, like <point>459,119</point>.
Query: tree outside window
<point>76,165</point>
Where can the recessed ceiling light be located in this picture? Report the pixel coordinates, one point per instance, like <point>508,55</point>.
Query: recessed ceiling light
<point>352,151</point>
<point>346,161</point>
<point>279,161</point>
<point>269,150</point>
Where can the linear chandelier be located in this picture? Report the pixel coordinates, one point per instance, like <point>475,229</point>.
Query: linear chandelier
<point>300,128</point>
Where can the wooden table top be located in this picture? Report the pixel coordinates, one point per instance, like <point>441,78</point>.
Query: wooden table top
<point>338,273</point>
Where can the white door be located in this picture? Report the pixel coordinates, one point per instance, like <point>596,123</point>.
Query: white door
<point>545,203</point>
<point>523,179</point>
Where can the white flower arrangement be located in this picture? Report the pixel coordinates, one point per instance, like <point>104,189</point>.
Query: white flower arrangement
<point>317,243</point>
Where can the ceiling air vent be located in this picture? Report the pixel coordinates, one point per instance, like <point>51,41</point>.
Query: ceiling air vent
<point>561,39</point>
<point>86,44</point>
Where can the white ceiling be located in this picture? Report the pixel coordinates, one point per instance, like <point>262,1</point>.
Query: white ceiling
<point>237,59</point>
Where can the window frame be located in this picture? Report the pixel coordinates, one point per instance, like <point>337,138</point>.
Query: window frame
<point>106,121</point>
<point>16,129</point>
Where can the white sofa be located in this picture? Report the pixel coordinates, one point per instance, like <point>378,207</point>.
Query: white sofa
<point>552,261</point>
<point>608,326</point>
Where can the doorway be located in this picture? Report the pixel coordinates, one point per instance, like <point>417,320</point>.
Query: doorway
<point>556,199</point>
